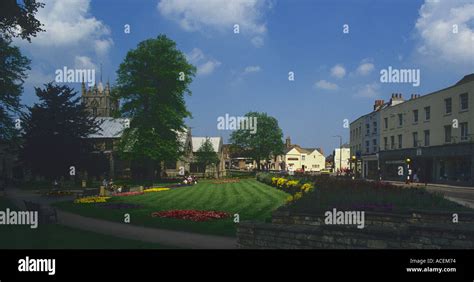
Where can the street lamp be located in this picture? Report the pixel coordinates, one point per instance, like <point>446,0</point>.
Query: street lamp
<point>354,160</point>
<point>340,151</point>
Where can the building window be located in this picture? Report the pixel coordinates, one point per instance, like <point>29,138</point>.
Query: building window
<point>427,113</point>
<point>448,105</point>
<point>464,132</point>
<point>385,123</point>
<point>367,146</point>
<point>427,137</point>
<point>374,144</point>
<point>375,127</point>
<point>415,115</point>
<point>392,142</point>
<point>385,143</point>
<point>415,139</point>
<point>463,98</point>
<point>400,141</point>
<point>400,119</point>
<point>303,157</point>
<point>367,127</point>
<point>447,133</point>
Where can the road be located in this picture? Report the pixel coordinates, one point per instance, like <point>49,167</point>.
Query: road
<point>459,194</point>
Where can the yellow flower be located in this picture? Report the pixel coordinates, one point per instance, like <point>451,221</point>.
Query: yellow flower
<point>307,187</point>
<point>289,199</point>
<point>297,196</point>
<point>281,182</point>
<point>155,189</point>
<point>292,183</point>
<point>274,180</point>
<point>91,200</point>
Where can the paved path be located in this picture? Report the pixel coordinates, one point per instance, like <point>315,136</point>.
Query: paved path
<point>166,237</point>
<point>459,194</point>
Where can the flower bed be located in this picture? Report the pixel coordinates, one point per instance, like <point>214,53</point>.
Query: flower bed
<point>193,215</point>
<point>346,194</point>
<point>91,200</point>
<point>296,187</point>
<point>158,189</point>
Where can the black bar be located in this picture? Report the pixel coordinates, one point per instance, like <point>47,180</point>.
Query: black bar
<point>288,265</point>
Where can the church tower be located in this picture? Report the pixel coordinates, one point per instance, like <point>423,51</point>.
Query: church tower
<point>98,100</point>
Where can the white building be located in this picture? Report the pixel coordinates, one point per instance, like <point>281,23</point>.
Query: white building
<point>304,159</point>
<point>341,158</point>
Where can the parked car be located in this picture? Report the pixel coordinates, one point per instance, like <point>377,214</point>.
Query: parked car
<point>325,171</point>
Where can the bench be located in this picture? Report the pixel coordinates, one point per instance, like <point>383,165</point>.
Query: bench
<point>45,214</point>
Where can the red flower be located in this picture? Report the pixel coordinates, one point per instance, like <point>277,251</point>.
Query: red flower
<point>193,215</point>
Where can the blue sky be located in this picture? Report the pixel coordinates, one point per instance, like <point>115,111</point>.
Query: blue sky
<point>337,75</point>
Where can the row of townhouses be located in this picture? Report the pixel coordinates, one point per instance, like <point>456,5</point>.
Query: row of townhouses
<point>428,135</point>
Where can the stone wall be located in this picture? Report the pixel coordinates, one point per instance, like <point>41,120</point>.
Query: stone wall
<point>380,218</point>
<point>417,230</point>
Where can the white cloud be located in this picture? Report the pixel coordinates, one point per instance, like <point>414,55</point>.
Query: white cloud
<point>218,15</point>
<point>84,62</point>
<point>251,69</point>
<point>365,68</point>
<point>195,55</point>
<point>257,41</point>
<point>208,67</point>
<point>368,90</point>
<point>326,85</point>
<point>338,71</point>
<point>73,37</point>
<point>435,31</point>
<point>68,23</point>
<point>205,65</point>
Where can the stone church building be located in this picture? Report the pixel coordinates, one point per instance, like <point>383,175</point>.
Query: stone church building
<point>106,162</point>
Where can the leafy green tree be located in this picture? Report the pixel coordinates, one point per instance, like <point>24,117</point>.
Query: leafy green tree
<point>206,156</point>
<point>17,19</point>
<point>13,67</point>
<point>54,132</point>
<point>266,142</point>
<point>152,82</point>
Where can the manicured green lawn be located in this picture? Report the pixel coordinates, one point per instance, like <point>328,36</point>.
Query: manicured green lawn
<point>53,236</point>
<point>250,199</point>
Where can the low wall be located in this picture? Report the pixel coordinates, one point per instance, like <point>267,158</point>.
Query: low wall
<point>381,231</point>
<point>380,218</point>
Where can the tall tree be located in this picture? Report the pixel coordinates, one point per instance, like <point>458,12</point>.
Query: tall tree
<point>13,67</point>
<point>265,142</point>
<point>206,156</point>
<point>54,132</point>
<point>152,82</point>
<point>17,19</point>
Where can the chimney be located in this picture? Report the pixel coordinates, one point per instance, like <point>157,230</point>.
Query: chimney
<point>396,99</point>
<point>378,104</point>
<point>288,142</point>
